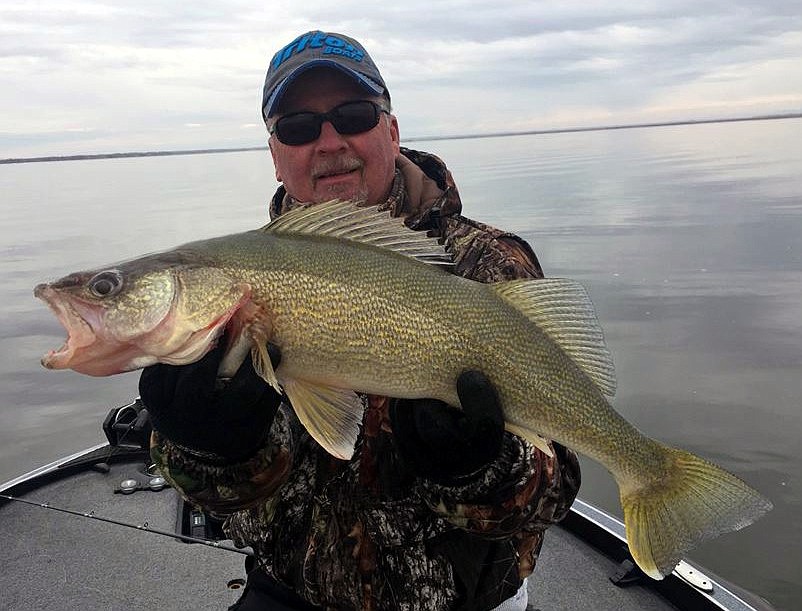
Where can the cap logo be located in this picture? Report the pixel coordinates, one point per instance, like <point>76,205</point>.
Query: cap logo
<point>329,43</point>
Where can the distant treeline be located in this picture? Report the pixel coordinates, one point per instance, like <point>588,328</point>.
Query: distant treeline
<point>557,130</point>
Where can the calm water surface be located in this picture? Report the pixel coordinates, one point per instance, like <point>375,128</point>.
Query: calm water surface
<point>689,240</point>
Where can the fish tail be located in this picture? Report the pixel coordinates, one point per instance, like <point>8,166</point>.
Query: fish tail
<point>694,501</point>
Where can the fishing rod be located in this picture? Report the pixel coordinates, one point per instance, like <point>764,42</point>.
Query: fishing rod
<point>144,527</point>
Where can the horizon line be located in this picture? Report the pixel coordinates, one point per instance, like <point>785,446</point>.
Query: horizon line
<point>556,130</point>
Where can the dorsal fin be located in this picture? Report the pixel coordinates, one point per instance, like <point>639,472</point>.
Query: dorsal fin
<point>344,220</point>
<point>562,309</point>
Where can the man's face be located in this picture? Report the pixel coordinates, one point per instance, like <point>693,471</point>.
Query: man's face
<point>335,166</point>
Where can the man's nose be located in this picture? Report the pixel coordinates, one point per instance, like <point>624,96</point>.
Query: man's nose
<point>330,138</point>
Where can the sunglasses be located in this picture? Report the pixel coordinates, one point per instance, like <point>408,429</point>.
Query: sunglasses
<point>348,119</point>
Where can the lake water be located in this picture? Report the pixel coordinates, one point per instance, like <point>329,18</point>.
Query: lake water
<point>688,238</point>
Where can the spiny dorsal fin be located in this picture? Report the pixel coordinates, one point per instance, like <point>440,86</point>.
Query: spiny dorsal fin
<point>562,309</point>
<point>345,220</point>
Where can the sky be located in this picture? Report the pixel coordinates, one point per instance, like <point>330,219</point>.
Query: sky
<point>106,76</point>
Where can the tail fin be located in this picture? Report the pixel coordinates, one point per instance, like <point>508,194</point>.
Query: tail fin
<point>697,501</point>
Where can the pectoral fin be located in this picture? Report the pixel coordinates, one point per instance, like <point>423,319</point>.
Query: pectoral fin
<point>262,365</point>
<point>331,415</point>
<point>249,330</point>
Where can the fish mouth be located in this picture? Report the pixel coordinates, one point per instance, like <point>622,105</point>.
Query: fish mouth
<point>79,331</point>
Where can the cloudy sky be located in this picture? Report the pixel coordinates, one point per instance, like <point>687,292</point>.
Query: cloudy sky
<point>99,76</point>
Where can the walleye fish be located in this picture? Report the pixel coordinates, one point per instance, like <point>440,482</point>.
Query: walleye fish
<point>358,302</point>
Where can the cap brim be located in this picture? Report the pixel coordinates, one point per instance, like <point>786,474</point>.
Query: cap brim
<point>371,86</point>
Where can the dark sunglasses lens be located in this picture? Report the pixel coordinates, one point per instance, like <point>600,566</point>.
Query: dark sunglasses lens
<point>355,117</point>
<point>298,129</point>
<point>349,118</point>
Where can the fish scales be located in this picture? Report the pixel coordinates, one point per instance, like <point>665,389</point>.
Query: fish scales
<point>350,315</point>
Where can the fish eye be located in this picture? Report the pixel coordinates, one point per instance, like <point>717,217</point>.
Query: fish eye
<point>106,284</point>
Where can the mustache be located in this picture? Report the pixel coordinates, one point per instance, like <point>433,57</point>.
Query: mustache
<point>340,165</point>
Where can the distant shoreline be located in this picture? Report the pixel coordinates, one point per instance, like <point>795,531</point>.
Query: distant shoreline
<point>83,157</point>
<point>556,130</point>
<point>599,128</point>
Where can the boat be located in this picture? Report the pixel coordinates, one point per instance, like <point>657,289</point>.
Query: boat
<point>100,529</point>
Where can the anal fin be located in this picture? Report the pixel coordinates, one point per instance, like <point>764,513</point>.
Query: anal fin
<point>536,440</point>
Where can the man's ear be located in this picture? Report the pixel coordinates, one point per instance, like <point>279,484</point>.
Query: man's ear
<point>395,132</point>
<point>273,155</point>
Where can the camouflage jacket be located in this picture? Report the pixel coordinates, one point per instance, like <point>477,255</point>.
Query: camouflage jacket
<point>366,533</point>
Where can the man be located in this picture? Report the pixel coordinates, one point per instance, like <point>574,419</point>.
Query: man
<point>439,508</point>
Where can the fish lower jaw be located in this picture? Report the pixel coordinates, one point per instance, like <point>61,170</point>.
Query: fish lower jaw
<point>63,357</point>
<point>55,358</point>
<point>79,334</point>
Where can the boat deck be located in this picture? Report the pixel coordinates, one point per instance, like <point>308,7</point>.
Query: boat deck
<point>55,560</point>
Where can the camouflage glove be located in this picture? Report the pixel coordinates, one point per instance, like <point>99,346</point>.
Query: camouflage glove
<point>445,444</point>
<point>222,420</point>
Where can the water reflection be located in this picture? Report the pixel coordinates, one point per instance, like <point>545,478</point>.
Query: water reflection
<point>690,243</point>
<point>689,240</point>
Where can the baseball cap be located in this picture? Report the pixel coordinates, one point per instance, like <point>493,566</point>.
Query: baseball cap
<point>319,49</point>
